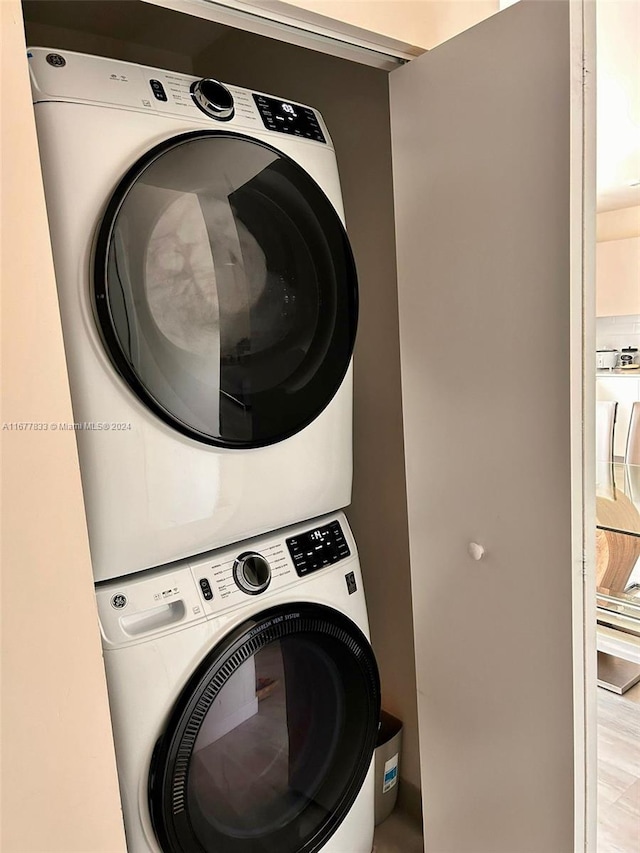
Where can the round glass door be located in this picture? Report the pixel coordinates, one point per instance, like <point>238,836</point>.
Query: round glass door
<point>225,289</point>
<point>270,742</point>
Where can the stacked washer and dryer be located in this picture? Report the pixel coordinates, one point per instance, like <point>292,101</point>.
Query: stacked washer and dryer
<point>208,298</point>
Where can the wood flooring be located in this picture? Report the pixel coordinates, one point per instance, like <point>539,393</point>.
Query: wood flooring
<point>619,771</point>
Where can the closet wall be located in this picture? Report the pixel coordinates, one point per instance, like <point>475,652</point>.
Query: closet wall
<point>354,101</point>
<point>53,624</point>
<point>59,786</point>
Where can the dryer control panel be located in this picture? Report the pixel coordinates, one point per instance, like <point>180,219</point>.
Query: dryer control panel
<point>75,77</point>
<point>286,117</point>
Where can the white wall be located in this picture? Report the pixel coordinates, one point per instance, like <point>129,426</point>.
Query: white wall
<point>618,276</point>
<point>618,224</point>
<point>618,332</point>
<point>423,23</point>
<point>618,78</point>
<point>59,788</point>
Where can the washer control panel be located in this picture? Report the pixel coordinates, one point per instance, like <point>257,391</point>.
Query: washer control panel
<point>225,579</point>
<point>157,601</point>
<point>317,548</point>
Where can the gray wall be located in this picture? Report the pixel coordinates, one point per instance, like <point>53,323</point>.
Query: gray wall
<point>482,172</point>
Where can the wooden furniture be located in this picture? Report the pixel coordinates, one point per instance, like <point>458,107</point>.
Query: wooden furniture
<point>616,555</point>
<point>618,525</point>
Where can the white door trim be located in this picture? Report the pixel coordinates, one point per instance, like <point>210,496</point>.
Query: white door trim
<point>582,348</point>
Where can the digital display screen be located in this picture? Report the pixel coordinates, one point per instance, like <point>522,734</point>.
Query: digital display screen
<point>319,536</point>
<point>317,548</point>
<point>286,117</point>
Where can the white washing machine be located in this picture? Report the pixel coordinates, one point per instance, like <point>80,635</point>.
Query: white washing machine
<point>245,697</point>
<point>209,305</point>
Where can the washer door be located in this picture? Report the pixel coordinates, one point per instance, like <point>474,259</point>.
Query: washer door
<point>225,289</point>
<point>270,742</point>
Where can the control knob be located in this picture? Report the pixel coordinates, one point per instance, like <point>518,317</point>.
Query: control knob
<point>213,98</point>
<point>252,573</point>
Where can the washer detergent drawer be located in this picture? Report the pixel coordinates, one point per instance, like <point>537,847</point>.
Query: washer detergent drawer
<point>133,610</point>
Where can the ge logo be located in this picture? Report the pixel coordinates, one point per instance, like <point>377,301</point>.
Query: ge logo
<point>56,60</point>
<point>119,601</point>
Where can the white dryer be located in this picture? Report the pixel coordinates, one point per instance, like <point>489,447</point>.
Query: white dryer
<point>209,305</point>
<point>245,697</point>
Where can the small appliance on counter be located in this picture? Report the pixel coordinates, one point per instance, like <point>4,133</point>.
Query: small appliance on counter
<point>606,359</point>
<point>628,358</point>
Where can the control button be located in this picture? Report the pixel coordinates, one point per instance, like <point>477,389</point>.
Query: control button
<point>158,90</point>
<point>213,98</point>
<point>351,583</point>
<point>252,573</point>
<point>205,586</point>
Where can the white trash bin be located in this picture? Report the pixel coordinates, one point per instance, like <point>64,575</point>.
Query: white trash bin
<point>387,768</point>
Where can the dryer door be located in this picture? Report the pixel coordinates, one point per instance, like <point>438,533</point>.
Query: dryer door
<point>270,742</point>
<point>225,289</point>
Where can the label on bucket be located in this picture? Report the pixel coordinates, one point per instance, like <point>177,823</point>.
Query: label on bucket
<point>390,774</point>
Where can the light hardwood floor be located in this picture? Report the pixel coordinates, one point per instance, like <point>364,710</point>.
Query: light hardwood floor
<point>619,771</point>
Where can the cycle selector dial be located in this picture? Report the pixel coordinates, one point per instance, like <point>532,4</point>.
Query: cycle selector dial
<point>251,572</point>
<point>213,98</point>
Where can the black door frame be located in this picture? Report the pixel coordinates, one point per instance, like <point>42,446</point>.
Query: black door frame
<point>331,373</point>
